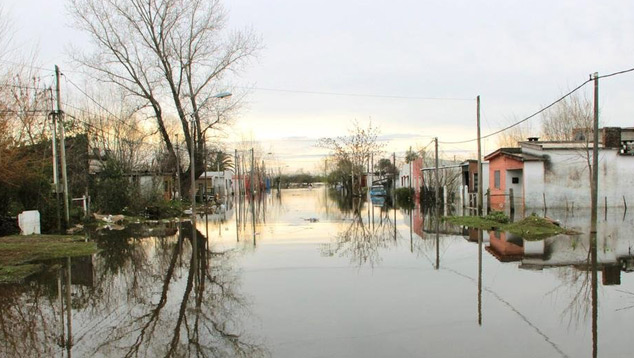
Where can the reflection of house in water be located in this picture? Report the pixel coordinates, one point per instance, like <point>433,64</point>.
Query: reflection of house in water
<point>507,247</point>
<point>613,255</point>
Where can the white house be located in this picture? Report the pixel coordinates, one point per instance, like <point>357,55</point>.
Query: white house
<point>220,183</point>
<point>556,174</point>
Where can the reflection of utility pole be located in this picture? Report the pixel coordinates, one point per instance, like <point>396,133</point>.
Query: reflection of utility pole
<point>60,296</point>
<point>62,149</point>
<point>69,317</point>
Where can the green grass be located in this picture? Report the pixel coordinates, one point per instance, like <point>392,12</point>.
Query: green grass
<point>529,228</point>
<point>17,253</point>
<point>12,274</point>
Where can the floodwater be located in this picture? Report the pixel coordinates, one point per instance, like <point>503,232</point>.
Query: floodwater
<point>302,274</point>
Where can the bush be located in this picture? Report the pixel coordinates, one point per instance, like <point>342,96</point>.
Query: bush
<point>405,197</point>
<point>110,188</point>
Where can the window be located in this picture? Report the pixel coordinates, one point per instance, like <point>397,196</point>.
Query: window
<point>496,179</point>
<point>475,181</point>
<point>515,180</point>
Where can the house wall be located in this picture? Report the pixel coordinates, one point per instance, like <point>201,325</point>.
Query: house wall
<point>533,184</point>
<point>566,179</point>
<point>501,163</point>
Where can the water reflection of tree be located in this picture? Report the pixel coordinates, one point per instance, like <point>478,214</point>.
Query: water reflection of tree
<point>577,282</point>
<point>22,319</point>
<point>170,297</point>
<point>360,240</point>
<point>193,313</point>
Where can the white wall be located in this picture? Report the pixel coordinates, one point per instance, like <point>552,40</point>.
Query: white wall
<point>533,184</point>
<point>565,179</point>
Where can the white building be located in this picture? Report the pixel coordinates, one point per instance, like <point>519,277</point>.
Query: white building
<point>220,183</point>
<point>557,174</point>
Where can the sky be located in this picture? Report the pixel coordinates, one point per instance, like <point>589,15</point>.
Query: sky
<point>412,68</point>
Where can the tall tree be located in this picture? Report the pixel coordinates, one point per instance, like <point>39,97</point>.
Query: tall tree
<point>353,152</point>
<point>170,54</point>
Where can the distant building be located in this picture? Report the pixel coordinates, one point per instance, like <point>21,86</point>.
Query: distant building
<point>217,183</point>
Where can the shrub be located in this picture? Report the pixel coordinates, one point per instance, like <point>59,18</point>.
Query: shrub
<point>405,197</point>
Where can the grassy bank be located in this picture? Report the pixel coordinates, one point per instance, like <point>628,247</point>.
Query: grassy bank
<point>19,254</point>
<point>529,228</point>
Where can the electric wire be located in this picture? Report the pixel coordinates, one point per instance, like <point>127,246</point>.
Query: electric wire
<point>358,94</point>
<point>544,108</point>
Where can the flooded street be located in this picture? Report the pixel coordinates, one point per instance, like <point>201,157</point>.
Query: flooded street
<point>302,274</point>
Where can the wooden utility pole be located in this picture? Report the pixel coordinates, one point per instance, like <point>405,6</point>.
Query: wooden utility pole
<point>178,171</point>
<point>192,170</point>
<point>236,170</point>
<point>394,180</point>
<point>480,176</point>
<point>62,149</point>
<point>410,166</point>
<point>56,172</point>
<point>595,156</point>
<point>252,169</point>
<point>436,172</point>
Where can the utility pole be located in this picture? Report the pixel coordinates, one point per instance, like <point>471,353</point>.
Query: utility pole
<point>437,178</point>
<point>205,170</point>
<point>178,171</point>
<point>480,176</point>
<point>53,116</point>
<point>235,169</point>
<point>192,170</point>
<point>62,149</point>
<point>394,180</point>
<point>595,156</point>
<point>252,169</point>
<point>410,167</point>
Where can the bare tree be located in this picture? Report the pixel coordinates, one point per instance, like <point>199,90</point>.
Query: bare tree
<point>354,151</point>
<point>569,120</point>
<point>519,133</point>
<point>171,54</point>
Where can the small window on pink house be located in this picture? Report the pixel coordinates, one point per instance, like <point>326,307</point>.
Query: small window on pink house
<point>496,179</point>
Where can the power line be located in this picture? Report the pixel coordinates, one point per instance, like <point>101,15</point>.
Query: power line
<point>617,73</point>
<point>358,94</point>
<point>525,119</point>
<point>120,120</point>
<point>25,65</point>
<point>543,109</point>
<point>24,87</point>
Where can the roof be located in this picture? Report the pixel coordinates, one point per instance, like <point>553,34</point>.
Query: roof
<point>515,153</point>
<point>551,145</point>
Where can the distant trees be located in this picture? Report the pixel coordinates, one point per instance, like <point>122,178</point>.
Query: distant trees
<point>351,154</point>
<point>171,56</point>
<point>385,167</point>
